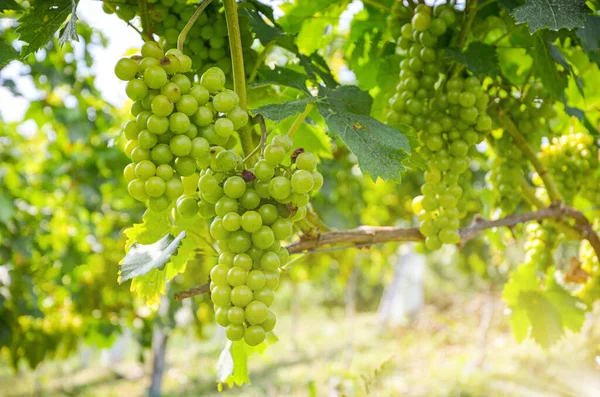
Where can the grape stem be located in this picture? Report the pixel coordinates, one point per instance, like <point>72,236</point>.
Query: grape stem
<point>113,9</point>
<point>237,63</point>
<point>365,236</point>
<point>188,26</point>
<point>522,144</point>
<point>143,6</point>
<point>263,136</point>
<point>299,120</point>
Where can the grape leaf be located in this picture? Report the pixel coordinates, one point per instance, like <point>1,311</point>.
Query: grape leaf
<point>140,258</point>
<point>315,66</point>
<point>280,111</point>
<point>553,14</point>
<point>232,366</point>
<point>590,36</point>
<point>545,68</point>
<point>9,5</point>
<point>380,149</point>
<point>560,58</point>
<point>150,287</point>
<point>347,98</point>
<point>69,32</point>
<point>154,225</point>
<point>282,76</point>
<point>40,23</point>
<point>479,58</point>
<point>265,33</point>
<point>545,311</point>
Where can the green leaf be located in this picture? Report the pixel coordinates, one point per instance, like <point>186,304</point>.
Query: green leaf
<point>571,315</point>
<point>520,324</point>
<point>590,36</point>
<point>150,287</point>
<point>560,58</point>
<point>380,149</point>
<point>140,258</point>
<point>543,317</point>
<point>69,32</point>
<point>346,98</point>
<point>41,22</point>
<point>479,58</point>
<point>280,111</point>
<point>315,66</point>
<point>522,279</point>
<point>9,5</point>
<point>282,76</point>
<point>264,32</point>
<point>545,68</point>
<point>553,14</point>
<point>154,226</point>
<point>232,366</point>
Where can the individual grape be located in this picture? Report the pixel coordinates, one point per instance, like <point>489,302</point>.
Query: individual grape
<point>274,155</point>
<point>236,332</point>
<point>280,188</point>
<point>162,106</point>
<point>151,49</point>
<point>254,335</point>
<point>155,77</point>
<point>234,187</point>
<point>256,312</point>
<point>187,207</point>
<point>174,188</point>
<point>136,89</point>
<point>306,161</point>
<point>126,69</point>
<point>241,296</point>
<point>263,237</point>
<point>251,221</point>
<point>145,169</point>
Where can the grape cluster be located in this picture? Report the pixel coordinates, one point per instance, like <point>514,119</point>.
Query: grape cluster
<point>506,172</point>
<point>572,160</point>
<point>420,69</point>
<point>255,210</point>
<point>457,122</point>
<point>176,122</point>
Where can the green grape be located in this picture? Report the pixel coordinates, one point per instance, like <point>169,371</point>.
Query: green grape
<point>254,335</point>
<point>226,205</point>
<point>222,295</point>
<point>251,221</point>
<point>159,204</point>
<point>264,171</point>
<point>239,241</point>
<point>145,169</point>
<point>136,89</point>
<point>236,315</point>
<point>174,188</point>
<point>306,161</point>
<point>302,182</point>
<point>235,332</point>
<point>136,189</point>
<point>256,312</point>
<point>250,199</point>
<point>232,221</point>
<point>155,77</point>
<point>126,69</point>
<point>265,296</point>
<point>274,155</point>
<point>243,261</point>
<point>185,166</point>
<point>280,188</point>
<point>187,207</point>
<point>269,324</point>
<point>180,145</point>
<point>270,261</point>
<point>236,276</point>
<point>234,187</point>
<point>282,229</point>
<point>263,237</point>
<point>241,295</point>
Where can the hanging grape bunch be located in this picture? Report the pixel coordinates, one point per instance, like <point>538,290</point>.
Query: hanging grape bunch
<point>176,122</point>
<point>450,117</point>
<point>255,211</point>
<point>572,160</point>
<point>182,145</point>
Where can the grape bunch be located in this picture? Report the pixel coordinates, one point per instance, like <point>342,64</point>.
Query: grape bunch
<point>179,128</point>
<point>420,69</point>
<point>572,160</point>
<point>506,172</point>
<point>457,122</point>
<point>255,211</point>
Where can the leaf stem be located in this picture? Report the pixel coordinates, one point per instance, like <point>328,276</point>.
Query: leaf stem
<point>188,26</point>
<point>299,120</point>
<point>260,60</point>
<point>522,144</point>
<point>470,12</point>
<point>237,63</point>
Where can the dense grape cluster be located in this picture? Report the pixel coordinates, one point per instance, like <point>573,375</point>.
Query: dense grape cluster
<point>450,116</point>
<point>506,172</point>
<point>255,210</point>
<point>207,42</point>
<point>572,160</point>
<point>180,127</point>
